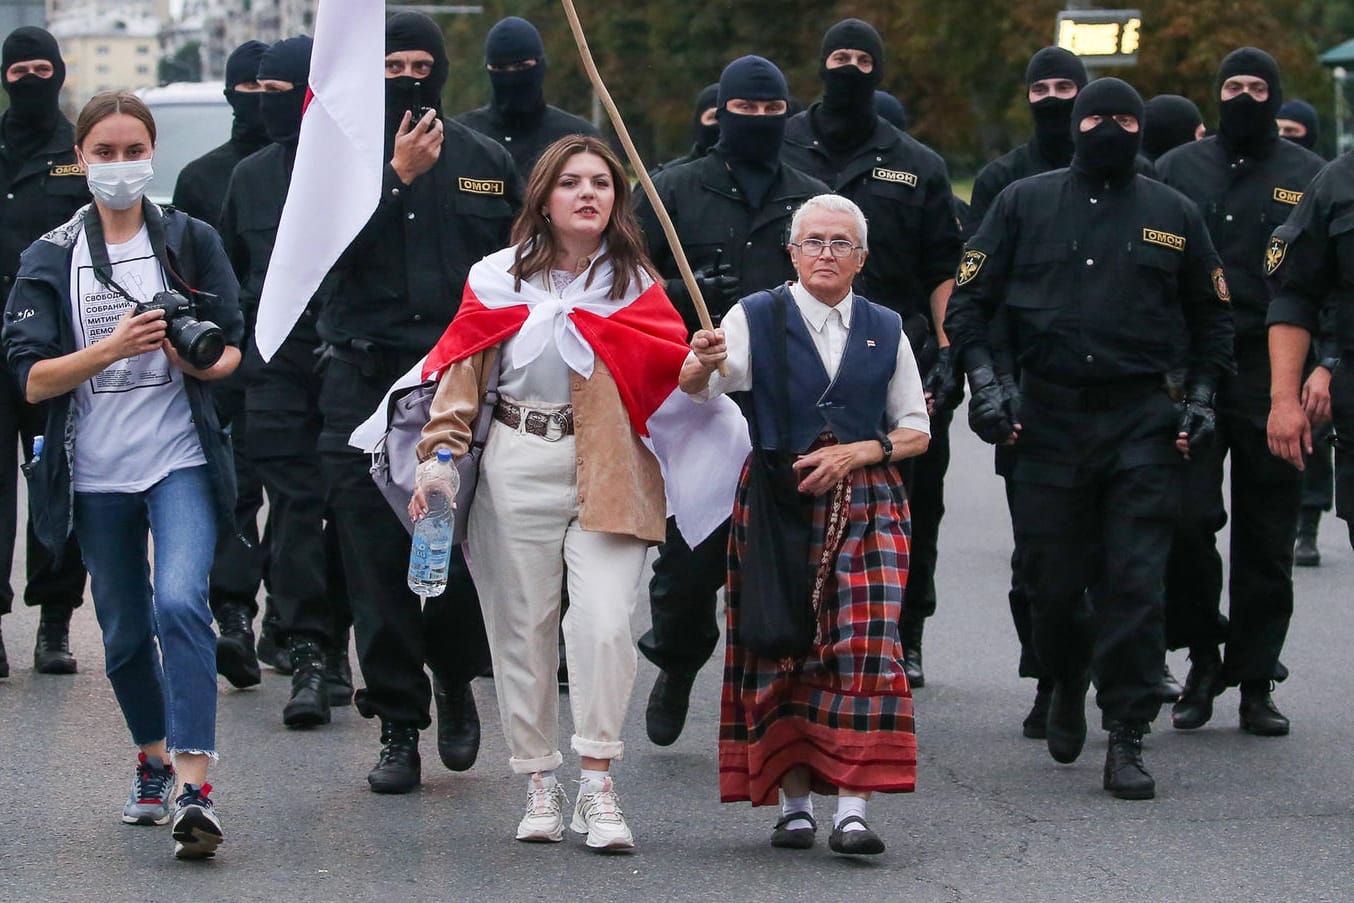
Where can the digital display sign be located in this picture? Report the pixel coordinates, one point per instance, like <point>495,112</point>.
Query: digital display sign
<point>1101,37</point>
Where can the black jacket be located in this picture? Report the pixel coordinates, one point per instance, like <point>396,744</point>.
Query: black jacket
<point>1101,283</point>
<point>526,139</point>
<point>904,190</point>
<point>714,221</point>
<point>38,327</point>
<point>38,194</point>
<point>250,213</point>
<point>399,283</point>
<point>201,187</point>
<point>1021,163</point>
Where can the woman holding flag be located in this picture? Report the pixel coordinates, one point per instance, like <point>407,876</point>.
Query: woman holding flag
<point>587,348</point>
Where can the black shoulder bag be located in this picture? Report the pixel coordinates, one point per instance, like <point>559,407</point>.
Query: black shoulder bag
<point>775,610</point>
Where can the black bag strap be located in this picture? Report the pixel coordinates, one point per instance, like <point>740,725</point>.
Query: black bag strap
<point>155,229</point>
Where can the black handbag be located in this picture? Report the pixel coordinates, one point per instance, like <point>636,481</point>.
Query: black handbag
<point>776,616</point>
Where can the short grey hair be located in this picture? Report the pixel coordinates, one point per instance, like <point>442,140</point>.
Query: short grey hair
<point>831,203</point>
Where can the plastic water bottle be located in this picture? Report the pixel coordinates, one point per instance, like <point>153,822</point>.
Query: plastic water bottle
<point>430,553</point>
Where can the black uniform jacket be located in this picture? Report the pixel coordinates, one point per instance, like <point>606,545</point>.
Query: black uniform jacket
<point>526,141</point>
<point>1101,282</point>
<point>1310,258</point>
<point>716,223</point>
<point>399,283</point>
<point>38,194</point>
<point>201,187</point>
<point>904,190</point>
<point>1020,163</point>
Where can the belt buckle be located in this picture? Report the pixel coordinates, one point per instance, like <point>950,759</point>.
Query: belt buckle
<point>559,422</point>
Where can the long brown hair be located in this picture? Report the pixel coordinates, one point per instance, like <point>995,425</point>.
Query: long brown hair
<point>534,235</point>
<point>110,103</point>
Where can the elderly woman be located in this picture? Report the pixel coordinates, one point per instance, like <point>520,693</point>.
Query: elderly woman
<point>839,718</point>
<point>571,322</point>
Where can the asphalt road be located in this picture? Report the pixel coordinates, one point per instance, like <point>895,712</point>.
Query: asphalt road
<point>994,818</point>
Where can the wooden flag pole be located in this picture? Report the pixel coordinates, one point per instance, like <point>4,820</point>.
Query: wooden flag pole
<point>623,133</point>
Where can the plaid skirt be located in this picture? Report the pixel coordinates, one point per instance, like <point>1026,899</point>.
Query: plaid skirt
<point>845,709</point>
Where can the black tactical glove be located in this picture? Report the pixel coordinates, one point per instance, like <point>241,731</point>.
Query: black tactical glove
<point>993,410</point>
<point>718,285</point>
<point>1198,422</point>
<point>942,382</point>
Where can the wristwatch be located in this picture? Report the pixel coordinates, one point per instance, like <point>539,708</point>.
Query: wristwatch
<point>888,449</point>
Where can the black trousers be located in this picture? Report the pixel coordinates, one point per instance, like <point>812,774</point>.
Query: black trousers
<point>926,501</point>
<point>683,600</point>
<point>395,634</point>
<point>1096,492</point>
<point>1342,411</point>
<point>309,593</point>
<point>241,563</point>
<point>1266,494</point>
<point>1318,480</point>
<point>1017,597</point>
<point>48,584</point>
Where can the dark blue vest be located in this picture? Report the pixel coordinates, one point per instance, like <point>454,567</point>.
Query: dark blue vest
<point>852,406</point>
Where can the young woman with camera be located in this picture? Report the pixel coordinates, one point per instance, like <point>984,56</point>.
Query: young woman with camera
<point>120,319</point>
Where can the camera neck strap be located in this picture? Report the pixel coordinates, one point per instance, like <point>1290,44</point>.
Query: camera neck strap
<point>98,249</point>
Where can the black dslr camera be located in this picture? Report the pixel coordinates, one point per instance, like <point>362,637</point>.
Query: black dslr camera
<point>199,342</point>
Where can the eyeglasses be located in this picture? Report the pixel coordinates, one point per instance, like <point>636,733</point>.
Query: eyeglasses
<point>814,247</point>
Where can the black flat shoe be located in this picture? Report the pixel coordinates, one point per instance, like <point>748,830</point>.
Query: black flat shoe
<point>855,843</point>
<point>794,838</point>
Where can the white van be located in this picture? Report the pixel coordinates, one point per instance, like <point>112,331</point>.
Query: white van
<point>191,118</point>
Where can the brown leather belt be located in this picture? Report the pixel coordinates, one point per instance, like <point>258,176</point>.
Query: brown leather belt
<point>551,426</point>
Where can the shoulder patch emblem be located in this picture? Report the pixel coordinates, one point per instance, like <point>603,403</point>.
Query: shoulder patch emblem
<point>969,265</point>
<point>1274,255</point>
<point>481,186</point>
<point>1285,196</point>
<point>897,176</point>
<point>1165,239</point>
<point>1220,286</point>
<point>69,169</point>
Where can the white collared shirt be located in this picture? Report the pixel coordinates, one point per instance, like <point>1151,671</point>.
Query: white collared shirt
<point>828,327</point>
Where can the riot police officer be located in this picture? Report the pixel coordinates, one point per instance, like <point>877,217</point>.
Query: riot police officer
<point>904,190</point>
<point>1172,120</point>
<point>519,118</point>
<point>42,188</point>
<point>448,198</point>
<point>1110,282</point>
<point>1245,181</point>
<point>732,211</point>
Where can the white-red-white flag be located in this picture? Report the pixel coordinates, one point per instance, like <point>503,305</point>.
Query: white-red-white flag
<point>336,182</point>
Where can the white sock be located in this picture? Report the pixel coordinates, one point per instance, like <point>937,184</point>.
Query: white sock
<point>546,779</point>
<point>791,805</point>
<point>846,807</point>
<point>593,781</point>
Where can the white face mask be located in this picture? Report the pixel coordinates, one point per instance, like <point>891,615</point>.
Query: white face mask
<point>119,185</point>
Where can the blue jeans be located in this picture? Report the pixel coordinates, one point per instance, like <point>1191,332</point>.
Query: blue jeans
<point>176,702</point>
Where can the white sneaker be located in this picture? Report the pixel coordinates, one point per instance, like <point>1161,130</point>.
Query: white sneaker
<point>544,818</point>
<point>197,830</point>
<point>598,815</point>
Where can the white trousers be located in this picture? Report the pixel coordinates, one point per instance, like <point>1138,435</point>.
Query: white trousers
<point>523,530</point>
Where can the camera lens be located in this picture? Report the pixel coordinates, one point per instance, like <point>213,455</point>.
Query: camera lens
<point>200,343</point>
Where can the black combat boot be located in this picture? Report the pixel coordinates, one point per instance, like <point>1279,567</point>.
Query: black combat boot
<point>1067,718</point>
<point>1036,722</point>
<point>910,631</point>
<point>1169,690</point>
<point>309,703</point>
<point>458,725</point>
<point>1196,703</point>
<point>52,651</point>
<point>399,770</point>
<point>271,652</point>
<point>1125,775</point>
<point>4,659</point>
<point>669,700</point>
<point>1305,552</point>
<point>338,673</point>
<point>236,660</point>
<point>1258,713</point>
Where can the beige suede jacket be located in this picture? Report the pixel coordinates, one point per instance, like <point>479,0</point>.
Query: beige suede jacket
<point>620,488</point>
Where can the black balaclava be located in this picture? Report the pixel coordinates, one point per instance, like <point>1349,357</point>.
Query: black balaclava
<point>891,109</point>
<point>703,137</point>
<point>846,118</point>
<point>516,94</point>
<point>751,144</point>
<point>1053,115</point>
<point>1171,120</point>
<point>1107,151</point>
<point>289,61</point>
<point>1245,124</point>
<point>414,31</point>
<point>241,67</point>
<point>1303,112</point>
<point>33,101</point>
